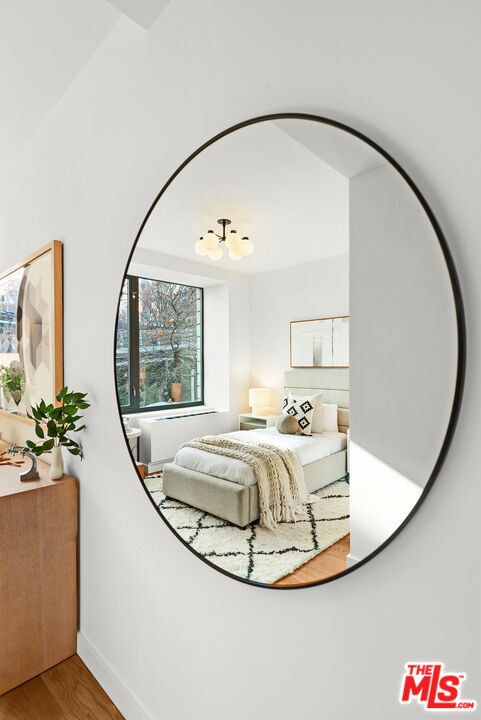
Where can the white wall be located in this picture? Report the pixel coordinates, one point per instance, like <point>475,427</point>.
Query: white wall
<point>403,343</point>
<point>302,292</point>
<point>167,635</point>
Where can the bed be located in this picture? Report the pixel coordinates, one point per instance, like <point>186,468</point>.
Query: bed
<point>222,487</point>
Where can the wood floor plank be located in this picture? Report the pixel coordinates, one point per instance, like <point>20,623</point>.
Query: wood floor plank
<point>67,691</point>
<point>78,693</point>
<point>30,701</point>
<point>331,561</point>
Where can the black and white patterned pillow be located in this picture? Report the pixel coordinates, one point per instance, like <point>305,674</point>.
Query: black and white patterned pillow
<point>302,409</point>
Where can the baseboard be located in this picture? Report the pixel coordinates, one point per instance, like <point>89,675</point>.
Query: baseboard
<point>126,702</point>
<point>351,560</point>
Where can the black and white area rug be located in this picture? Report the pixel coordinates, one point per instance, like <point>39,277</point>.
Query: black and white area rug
<point>255,553</point>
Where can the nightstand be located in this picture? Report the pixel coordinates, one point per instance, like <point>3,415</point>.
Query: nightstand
<point>133,436</point>
<point>248,421</point>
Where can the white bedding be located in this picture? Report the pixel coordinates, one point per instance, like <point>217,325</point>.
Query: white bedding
<point>307,448</point>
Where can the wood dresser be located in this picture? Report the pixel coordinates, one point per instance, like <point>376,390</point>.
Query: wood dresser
<point>38,573</point>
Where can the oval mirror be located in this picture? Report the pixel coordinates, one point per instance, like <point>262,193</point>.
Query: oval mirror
<point>288,390</point>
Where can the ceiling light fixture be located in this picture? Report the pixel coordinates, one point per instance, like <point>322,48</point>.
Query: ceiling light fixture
<point>210,244</point>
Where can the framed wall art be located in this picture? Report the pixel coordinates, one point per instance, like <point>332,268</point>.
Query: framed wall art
<point>319,343</point>
<point>31,330</point>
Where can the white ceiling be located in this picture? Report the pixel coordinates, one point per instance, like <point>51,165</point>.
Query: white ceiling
<point>342,151</point>
<point>283,185</point>
<point>44,44</point>
<point>272,181</point>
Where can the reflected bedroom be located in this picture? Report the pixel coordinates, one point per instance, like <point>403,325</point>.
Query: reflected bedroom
<point>261,350</point>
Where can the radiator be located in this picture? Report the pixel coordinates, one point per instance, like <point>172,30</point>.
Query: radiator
<point>162,436</point>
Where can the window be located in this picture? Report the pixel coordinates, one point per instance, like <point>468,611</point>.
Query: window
<point>159,345</point>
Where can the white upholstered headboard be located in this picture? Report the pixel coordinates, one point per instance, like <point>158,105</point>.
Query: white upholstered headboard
<point>333,382</point>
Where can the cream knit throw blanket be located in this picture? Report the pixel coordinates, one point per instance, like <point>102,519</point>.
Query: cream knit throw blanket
<point>278,472</point>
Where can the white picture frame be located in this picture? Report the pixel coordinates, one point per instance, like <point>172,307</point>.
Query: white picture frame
<point>319,343</point>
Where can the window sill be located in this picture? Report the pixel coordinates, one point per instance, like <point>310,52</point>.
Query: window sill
<point>170,414</point>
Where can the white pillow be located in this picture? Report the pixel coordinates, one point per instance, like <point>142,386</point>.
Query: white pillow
<point>329,414</point>
<point>302,408</point>
<point>316,400</point>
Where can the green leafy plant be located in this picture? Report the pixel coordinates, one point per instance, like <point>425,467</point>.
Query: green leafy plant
<point>53,423</point>
<point>12,378</point>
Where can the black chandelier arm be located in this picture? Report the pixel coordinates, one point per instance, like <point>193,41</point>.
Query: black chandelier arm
<point>223,222</point>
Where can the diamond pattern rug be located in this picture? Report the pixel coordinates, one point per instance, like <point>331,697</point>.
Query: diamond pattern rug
<point>255,553</point>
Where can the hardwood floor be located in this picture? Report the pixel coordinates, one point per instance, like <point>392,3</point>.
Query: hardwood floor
<point>330,562</point>
<point>67,691</point>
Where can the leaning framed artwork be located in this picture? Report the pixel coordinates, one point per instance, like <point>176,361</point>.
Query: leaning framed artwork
<point>319,343</point>
<point>31,330</point>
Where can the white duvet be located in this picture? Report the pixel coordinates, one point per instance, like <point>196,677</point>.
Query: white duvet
<point>307,448</point>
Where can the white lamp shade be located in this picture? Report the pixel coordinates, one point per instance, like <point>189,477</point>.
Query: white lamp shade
<point>232,239</point>
<point>246,246</point>
<point>200,248</point>
<point>260,400</point>
<point>216,253</point>
<point>210,240</point>
<point>235,254</point>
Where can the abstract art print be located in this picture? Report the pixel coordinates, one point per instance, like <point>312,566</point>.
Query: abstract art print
<point>31,325</point>
<point>323,342</point>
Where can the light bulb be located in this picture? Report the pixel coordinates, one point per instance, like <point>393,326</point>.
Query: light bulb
<point>246,246</point>
<point>235,254</point>
<point>200,247</point>
<point>232,239</point>
<point>216,253</point>
<point>210,240</point>
<point>236,244</point>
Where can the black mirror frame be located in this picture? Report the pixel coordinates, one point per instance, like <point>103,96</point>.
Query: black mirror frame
<point>460,319</point>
